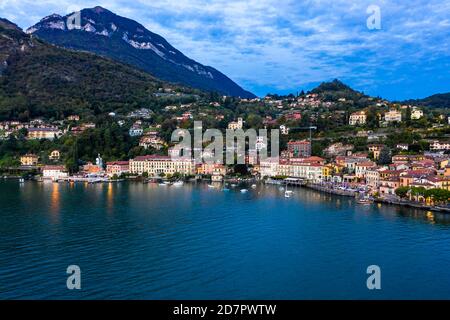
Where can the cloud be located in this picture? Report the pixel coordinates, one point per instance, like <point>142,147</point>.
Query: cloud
<point>283,45</point>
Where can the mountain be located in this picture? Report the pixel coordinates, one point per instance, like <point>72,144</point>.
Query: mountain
<point>336,90</point>
<point>39,79</point>
<point>440,100</point>
<point>105,33</point>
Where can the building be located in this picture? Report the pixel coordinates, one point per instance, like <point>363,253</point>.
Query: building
<point>136,131</point>
<point>152,140</point>
<point>155,165</point>
<point>218,173</point>
<point>269,167</point>
<point>43,133</point>
<point>235,125</point>
<point>91,168</point>
<point>55,155</point>
<point>299,149</point>
<point>362,167</point>
<point>416,114</point>
<point>389,185</point>
<point>393,116</point>
<point>311,168</point>
<point>209,168</point>
<point>73,118</point>
<point>402,146</point>
<point>338,149</point>
<point>54,172</point>
<point>310,171</point>
<point>376,149</point>
<point>439,146</point>
<point>284,130</point>
<point>293,116</point>
<point>117,168</point>
<point>29,160</point>
<point>372,177</point>
<point>357,118</point>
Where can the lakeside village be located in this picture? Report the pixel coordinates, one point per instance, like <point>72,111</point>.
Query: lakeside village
<point>362,160</point>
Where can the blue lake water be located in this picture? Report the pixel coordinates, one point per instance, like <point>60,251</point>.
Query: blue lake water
<point>136,241</point>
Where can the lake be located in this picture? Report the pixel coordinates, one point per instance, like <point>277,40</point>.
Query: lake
<point>146,241</point>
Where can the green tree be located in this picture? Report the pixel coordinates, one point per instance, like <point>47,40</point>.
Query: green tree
<point>385,156</point>
<point>402,191</point>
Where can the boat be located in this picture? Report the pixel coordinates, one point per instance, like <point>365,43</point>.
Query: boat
<point>253,186</point>
<point>178,183</point>
<point>364,200</point>
<point>233,185</point>
<point>244,190</point>
<point>211,186</point>
<point>164,184</point>
<point>288,193</point>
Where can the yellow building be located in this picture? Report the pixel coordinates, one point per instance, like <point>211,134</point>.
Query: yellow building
<point>376,149</point>
<point>156,165</point>
<point>327,171</point>
<point>29,160</point>
<point>43,133</point>
<point>54,155</point>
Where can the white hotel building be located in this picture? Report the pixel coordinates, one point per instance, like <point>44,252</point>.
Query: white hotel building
<point>156,165</point>
<point>311,170</point>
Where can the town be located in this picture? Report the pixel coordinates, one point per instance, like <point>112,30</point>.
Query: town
<point>346,146</point>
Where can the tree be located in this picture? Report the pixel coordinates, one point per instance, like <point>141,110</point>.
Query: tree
<point>385,156</point>
<point>402,192</point>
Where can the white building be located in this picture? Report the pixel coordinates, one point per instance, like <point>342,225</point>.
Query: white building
<point>357,118</point>
<point>136,131</point>
<point>437,146</point>
<point>416,114</point>
<point>269,167</point>
<point>54,172</point>
<point>393,116</point>
<point>284,130</point>
<point>362,167</point>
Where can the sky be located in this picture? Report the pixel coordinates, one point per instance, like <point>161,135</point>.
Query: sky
<point>393,49</point>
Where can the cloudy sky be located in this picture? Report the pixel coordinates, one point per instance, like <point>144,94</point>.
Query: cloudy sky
<point>283,46</point>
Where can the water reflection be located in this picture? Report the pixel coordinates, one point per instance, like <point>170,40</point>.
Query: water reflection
<point>55,202</point>
<point>109,198</point>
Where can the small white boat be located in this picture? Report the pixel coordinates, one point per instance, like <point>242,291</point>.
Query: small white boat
<point>233,185</point>
<point>244,190</point>
<point>164,184</point>
<point>178,183</point>
<point>21,180</point>
<point>253,186</point>
<point>364,201</point>
<point>288,193</point>
<point>211,186</point>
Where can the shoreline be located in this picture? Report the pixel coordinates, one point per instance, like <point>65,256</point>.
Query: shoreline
<point>311,186</point>
<point>401,203</point>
